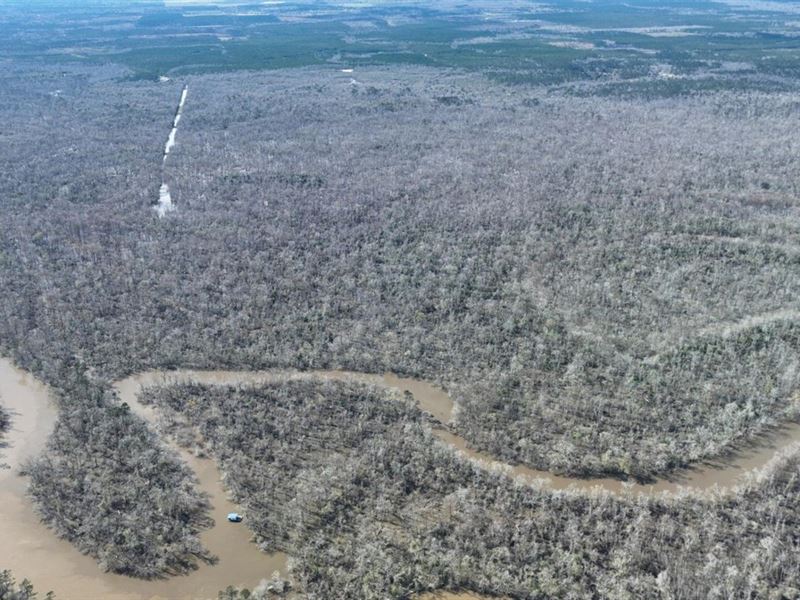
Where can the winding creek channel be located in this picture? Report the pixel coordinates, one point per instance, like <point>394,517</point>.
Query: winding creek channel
<point>32,551</point>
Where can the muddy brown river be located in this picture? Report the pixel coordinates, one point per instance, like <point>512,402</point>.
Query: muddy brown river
<point>30,550</point>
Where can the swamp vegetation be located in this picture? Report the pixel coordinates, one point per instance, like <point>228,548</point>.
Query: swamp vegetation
<point>603,272</point>
<point>585,311</point>
<point>350,481</point>
<point>11,590</point>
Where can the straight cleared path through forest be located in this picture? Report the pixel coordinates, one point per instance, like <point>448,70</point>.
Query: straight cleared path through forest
<point>165,204</point>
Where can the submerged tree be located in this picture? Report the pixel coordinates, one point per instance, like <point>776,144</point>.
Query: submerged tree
<point>10,590</point>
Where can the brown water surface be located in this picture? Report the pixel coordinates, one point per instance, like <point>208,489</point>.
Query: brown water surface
<point>31,550</point>
<point>725,472</point>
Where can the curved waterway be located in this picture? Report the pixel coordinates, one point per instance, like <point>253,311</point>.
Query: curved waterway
<point>30,550</point>
<point>725,472</point>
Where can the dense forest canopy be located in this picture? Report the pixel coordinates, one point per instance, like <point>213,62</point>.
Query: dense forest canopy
<point>350,481</point>
<point>103,514</point>
<point>581,273</point>
<point>580,219</point>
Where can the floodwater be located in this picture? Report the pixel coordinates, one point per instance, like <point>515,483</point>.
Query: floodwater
<point>31,550</point>
<point>725,472</point>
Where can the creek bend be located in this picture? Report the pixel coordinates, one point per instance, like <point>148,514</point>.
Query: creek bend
<point>32,551</point>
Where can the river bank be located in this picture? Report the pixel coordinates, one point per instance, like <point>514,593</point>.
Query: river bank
<point>34,552</point>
